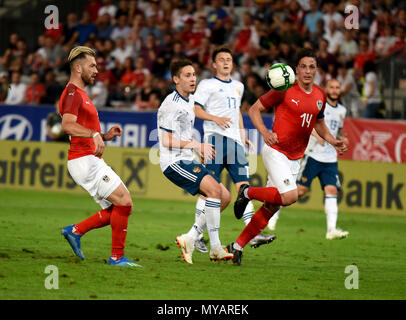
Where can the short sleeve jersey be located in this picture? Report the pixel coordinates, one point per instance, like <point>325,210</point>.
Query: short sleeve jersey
<point>223,99</point>
<point>334,119</point>
<point>296,112</point>
<point>175,115</point>
<point>75,101</point>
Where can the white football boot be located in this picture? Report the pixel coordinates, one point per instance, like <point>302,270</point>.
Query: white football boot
<point>336,234</point>
<point>187,245</point>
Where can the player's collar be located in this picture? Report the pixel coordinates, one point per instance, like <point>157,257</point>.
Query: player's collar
<point>332,105</point>
<point>187,100</point>
<point>223,80</point>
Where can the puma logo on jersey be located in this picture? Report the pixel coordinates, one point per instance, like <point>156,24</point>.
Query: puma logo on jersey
<point>297,102</point>
<point>87,102</point>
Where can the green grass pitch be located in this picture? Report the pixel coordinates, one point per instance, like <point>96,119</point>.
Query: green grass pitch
<point>299,264</point>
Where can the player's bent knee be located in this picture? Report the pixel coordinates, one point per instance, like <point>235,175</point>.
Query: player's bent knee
<point>289,198</point>
<point>225,197</point>
<point>301,192</point>
<point>125,200</point>
<point>214,191</point>
<point>330,190</point>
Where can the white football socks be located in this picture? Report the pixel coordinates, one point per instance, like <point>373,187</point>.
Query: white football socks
<point>212,213</point>
<point>331,210</point>
<point>274,219</point>
<point>199,226</point>
<point>248,213</point>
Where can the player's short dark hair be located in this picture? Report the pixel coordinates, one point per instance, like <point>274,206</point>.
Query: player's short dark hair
<point>177,65</point>
<point>218,50</point>
<point>305,53</point>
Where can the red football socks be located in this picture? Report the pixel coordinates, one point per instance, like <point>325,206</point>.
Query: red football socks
<point>268,194</point>
<point>98,220</point>
<point>258,222</point>
<point>119,222</point>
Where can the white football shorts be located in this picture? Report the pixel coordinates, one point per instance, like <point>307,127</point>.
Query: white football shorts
<point>282,172</point>
<point>95,176</point>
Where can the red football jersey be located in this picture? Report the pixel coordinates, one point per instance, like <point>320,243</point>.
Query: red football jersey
<point>295,115</point>
<point>75,101</point>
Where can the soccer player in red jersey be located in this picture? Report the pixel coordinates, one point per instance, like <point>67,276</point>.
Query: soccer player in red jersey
<point>80,121</point>
<point>297,111</point>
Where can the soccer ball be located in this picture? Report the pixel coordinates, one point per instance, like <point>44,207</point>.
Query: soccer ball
<point>57,129</point>
<point>280,77</point>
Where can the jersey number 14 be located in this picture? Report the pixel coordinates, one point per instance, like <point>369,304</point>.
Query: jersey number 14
<point>307,118</point>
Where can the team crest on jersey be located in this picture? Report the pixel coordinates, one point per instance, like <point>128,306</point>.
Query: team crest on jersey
<point>238,92</point>
<point>197,169</point>
<point>106,178</point>
<point>304,179</point>
<point>319,104</point>
<point>286,181</point>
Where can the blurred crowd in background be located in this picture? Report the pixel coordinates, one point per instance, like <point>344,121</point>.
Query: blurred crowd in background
<point>135,42</point>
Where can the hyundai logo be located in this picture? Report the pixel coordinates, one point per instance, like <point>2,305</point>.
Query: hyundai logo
<point>14,126</point>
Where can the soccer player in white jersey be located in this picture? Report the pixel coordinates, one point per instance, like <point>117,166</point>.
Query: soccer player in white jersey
<point>218,102</point>
<point>321,161</point>
<point>176,145</point>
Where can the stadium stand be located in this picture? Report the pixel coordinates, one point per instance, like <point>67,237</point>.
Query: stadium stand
<point>136,40</point>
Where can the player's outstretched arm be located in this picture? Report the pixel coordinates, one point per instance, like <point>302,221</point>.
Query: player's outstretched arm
<point>114,131</point>
<point>222,122</point>
<point>74,129</point>
<point>254,112</point>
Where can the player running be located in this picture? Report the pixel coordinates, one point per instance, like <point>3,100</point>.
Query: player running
<point>321,161</point>
<point>176,145</point>
<point>297,111</point>
<point>218,102</point>
<point>85,164</point>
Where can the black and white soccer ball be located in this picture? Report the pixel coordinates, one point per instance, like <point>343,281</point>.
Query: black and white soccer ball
<point>280,77</point>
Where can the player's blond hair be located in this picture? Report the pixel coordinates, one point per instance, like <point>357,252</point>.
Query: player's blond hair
<point>80,52</point>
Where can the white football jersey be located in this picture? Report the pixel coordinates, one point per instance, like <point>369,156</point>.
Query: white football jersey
<point>176,115</point>
<point>334,119</point>
<point>222,99</point>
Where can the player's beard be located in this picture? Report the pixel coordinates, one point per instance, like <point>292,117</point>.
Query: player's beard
<point>88,79</point>
<point>334,99</point>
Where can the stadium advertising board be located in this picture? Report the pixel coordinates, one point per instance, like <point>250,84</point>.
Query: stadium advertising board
<point>370,187</point>
<point>375,140</point>
<point>28,123</point>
